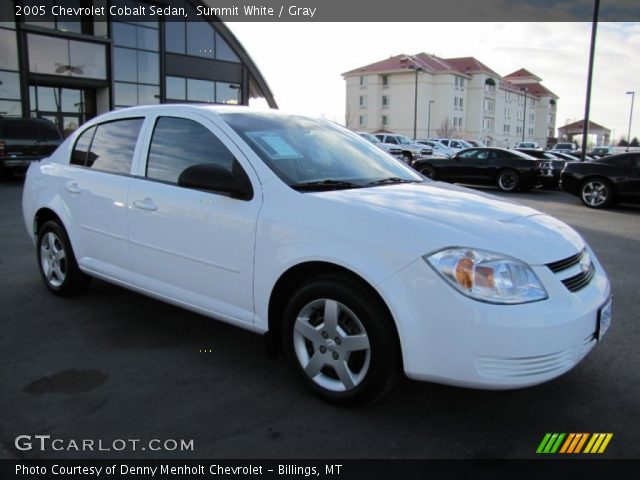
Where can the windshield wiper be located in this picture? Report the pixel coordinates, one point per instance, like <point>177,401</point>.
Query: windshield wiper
<point>327,184</point>
<point>390,181</point>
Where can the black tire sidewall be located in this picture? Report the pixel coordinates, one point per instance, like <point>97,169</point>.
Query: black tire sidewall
<point>428,172</point>
<point>73,275</point>
<point>517,178</point>
<point>375,322</point>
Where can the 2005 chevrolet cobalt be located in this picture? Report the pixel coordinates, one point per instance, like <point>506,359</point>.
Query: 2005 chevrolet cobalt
<point>361,268</point>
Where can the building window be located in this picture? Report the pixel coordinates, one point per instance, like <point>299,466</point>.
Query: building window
<point>10,97</point>
<point>507,113</point>
<point>385,120</point>
<point>532,117</point>
<point>488,105</point>
<point>385,81</point>
<point>506,128</point>
<point>195,90</point>
<point>487,124</point>
<point>455,102</point>
<point>363,81</point>
<point>508,96</point>
<point>362,121</point>
<point>531,132</point>
<point>460,102</point>
<point>385,101</point>
<point>362,101</point>
<point>550,118</point>
<point>70,58</point>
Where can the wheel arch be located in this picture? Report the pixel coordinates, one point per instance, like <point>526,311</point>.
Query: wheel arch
<point>297,274</point>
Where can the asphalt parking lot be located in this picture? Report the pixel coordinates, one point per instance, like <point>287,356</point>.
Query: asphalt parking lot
<point>112,364</point>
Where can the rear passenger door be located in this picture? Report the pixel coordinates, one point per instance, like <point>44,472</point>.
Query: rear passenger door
<point>94,190</point>
<point>192,246</point>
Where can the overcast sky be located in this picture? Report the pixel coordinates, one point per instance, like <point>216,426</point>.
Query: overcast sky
<point>302,62</point>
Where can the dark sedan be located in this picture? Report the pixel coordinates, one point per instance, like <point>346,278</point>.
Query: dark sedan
<point>552,166</point>
<point>507,169</point>
<point>604,181</point>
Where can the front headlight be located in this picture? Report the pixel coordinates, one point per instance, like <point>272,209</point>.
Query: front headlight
<point>487,276</point>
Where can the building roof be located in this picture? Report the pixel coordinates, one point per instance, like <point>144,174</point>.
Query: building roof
<point>537,89</point>
<point>470,65</point>
<point>429,63</point>
<point>579,125</point>
<point>522,74</point>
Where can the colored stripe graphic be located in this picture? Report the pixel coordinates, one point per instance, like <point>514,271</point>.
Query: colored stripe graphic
<point>574,442</point>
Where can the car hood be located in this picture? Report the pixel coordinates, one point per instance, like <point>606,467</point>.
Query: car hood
<point>435,215</point>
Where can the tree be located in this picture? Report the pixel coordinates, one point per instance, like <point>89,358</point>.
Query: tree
<point>446,129</point>
<point>634,142</point>
<point>622,143</point>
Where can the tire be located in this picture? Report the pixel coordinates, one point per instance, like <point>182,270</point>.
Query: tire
<point>428,171</point>
<point>352,362</point>
<point>596,193</point>
<point>508,180</point>
<point>57,262</point>
<point>407,158</point>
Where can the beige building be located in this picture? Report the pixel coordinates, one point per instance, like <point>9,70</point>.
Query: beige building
<point>456,98</point>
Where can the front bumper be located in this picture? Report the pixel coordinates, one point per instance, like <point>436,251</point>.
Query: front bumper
<point>449,338</point>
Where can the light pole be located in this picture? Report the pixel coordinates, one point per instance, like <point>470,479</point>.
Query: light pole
<point>415,101</point>
<point>633,95</point>
<point>429,120</point>
<point>524,117</point>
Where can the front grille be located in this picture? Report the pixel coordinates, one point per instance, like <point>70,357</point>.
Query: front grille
<point>580,280</point>
<point>569,262</point>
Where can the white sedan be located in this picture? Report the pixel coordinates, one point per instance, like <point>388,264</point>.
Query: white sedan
<point>356,266</point>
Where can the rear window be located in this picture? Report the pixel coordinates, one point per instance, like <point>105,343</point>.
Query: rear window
<point>28,129</point>
<point>113,145</point>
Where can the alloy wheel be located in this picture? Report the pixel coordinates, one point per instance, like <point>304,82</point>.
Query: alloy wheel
<point>595,193</point>
<point>53,259</point>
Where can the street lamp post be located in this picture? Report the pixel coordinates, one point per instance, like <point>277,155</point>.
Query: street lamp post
<point>429,120</point>
<point>633,95</point>
<point>524,117</point>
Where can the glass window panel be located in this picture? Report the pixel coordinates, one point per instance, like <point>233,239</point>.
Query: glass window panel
<point>71,100</point>
<point>175,37</point>
<point>88,59</point>
<point>148,95</point>
<point>69,125</point>
<point>125,65</point>
<point>8,50</point>
<point>79,154</point>
<point>124,35</point>
<point>65,26</point>
<point>48,55</point>
<point>179,143</point>
<point>10,85</point>
<point>10,107</point>
<point>200,90</point>
<point>224,51</point>
<point>113,145</point>
<point>176,88</point>
<point>227,93</point>
<point>48,99</point>
<point>200,39</point>
<point>126,94</point>
<point>148,67</point>
<point>147,38</point>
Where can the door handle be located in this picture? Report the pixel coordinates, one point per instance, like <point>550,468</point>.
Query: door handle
<point>72,187</point>
<point>146,204</point>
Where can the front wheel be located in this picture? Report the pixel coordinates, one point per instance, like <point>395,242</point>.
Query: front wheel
<point>428,171</point>
<point>58,266</point>
<point>508,181</point>
<point>340,340</point>
<point>596,193</point>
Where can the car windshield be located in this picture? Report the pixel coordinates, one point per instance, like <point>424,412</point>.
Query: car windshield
<point>304,152</point>
<point>465,144</point>
<point>403,140</point>
<point>369,136</point>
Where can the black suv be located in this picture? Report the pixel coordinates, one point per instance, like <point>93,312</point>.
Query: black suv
<point>23,140</point>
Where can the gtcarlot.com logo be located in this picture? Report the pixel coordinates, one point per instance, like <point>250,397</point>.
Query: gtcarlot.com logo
<point>573,443</point>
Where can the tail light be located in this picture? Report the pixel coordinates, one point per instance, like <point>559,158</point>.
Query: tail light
<point>2,150</point>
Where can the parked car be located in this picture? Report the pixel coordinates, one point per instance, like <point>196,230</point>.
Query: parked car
<point>509,170</point>
<point>602,151</point>
<point>355,265</point>
<point>551,167</point>
<point>411,151</point>
<point>604,181</point>
<point>572,157</point>
<point>527,145</point>
<point>454,144</point>
<point>438,148</point>
<point>24,140</point>
<point>393,150</point>
<point>567,147</point>
<point>476,143</point>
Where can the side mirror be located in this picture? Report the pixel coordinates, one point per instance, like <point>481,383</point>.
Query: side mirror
<point>212,177</point>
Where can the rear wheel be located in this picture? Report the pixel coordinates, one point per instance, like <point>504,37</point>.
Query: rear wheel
<point>596,193</point>
<point>58,266</point>
<point>508,180</point>
<point>340,340</point>
<point>428,171</point>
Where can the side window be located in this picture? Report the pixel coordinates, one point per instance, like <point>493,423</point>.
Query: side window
<point>81,148</point>
<point>113,145</point>
<point>179,143</point>
<point>468,154</point>
<point>392,140</point>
